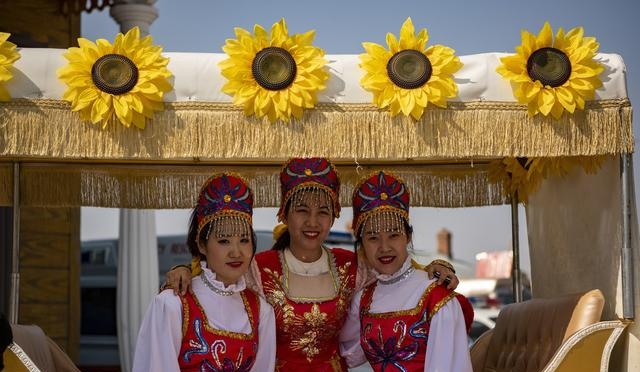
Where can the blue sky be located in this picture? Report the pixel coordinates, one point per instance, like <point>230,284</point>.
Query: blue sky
<point>341,26</point>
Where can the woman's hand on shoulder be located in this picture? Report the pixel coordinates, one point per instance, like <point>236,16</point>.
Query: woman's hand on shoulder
<point>444,272</point>
<point>178,279</point>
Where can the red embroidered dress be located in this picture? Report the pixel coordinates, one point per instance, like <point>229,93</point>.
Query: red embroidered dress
<point>397,341</point>
<point>205,349</point>
<point>308,330</point>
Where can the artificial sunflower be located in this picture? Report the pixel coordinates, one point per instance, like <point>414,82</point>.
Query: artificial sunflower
<point>274,75</point>
<point>525,175</point>
<point>407,77</point>
<point>8,56</point>
<point>553,75</point>
<point>127,79</point>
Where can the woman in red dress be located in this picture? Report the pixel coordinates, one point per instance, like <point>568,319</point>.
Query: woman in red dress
<point>402,321</point>
<point>309,285</point>
<point>221,325</point>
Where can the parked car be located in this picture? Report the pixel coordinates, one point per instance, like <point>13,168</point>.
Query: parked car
<point>98,278</point>
<point>485,293</point>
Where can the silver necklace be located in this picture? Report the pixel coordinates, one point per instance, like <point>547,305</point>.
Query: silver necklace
<point>398,278</point>
<point>219,291</point>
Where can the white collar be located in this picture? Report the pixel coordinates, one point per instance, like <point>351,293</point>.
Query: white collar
<point>211,277</point>
<point>317,267</point>
<point>392,278</point>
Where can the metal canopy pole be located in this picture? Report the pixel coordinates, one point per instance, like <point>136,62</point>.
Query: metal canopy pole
<point>515,241</point>
<point>15,248</point>
<point>628,307</point>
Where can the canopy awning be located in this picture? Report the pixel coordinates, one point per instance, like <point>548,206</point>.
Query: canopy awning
<point>201,131</point>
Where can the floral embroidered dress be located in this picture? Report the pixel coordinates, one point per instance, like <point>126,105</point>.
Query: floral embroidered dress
<point>404,322</point>
<point>308,326</point>
<point>230,351</point>
<point>228,330</point>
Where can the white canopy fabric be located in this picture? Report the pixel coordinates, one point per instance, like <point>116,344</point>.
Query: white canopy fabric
<point>197,78</point>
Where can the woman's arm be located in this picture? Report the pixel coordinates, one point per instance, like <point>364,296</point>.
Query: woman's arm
<point>350,348</point>
<point>266,355</point>
<point>178,278</point>
<point>160,335</point>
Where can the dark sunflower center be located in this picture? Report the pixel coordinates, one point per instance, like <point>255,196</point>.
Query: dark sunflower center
<point>114,74</point>
<point>409,69</point>
<point>274,68</point>
<point>550,66</point>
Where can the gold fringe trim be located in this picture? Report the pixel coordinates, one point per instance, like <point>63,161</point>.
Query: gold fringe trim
<point>203,131</point>
<point>165,187</point>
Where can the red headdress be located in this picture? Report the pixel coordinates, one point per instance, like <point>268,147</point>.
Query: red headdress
<point>381,195</point>
<point>225,195</point>
<point>309,174</point>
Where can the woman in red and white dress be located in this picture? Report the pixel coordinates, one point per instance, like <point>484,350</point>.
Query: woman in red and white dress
<point>403,321</point>
<point>310,286</point>
<point>220,325</point>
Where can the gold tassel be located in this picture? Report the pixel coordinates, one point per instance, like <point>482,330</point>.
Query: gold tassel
<point>196,269</point>
<point>197,131</point>
<point>166,187</point>
<point>279,230</point>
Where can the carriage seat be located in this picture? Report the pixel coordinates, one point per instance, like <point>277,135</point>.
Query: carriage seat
<point>33,351</point>
<point>549,334</point>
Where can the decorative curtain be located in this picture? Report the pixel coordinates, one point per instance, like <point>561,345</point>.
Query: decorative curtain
<point>574,229</point>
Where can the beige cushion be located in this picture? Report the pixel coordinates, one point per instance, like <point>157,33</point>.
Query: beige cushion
<point>527,334</point>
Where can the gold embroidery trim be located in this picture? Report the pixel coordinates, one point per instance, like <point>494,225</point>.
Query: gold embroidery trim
<point>440,304</point>
<point>391,314</point>
<point>205,320</point>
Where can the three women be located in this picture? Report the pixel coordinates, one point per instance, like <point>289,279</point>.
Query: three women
<point>309,286</point>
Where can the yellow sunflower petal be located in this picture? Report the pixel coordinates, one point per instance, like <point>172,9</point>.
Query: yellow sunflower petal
<point>560,41</point>
<point>545,36</point>
<point>392,42</point>
<point>406,102</point>
<point>565,98</point>
<point>546,99</point>
<point>407,34</point>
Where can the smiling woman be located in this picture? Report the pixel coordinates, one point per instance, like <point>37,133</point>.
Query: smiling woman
<point>195,331</point>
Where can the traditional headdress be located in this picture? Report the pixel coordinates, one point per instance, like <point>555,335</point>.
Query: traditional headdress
<point>225,196</point>
<point>383,199</point>
<point>312,174</point>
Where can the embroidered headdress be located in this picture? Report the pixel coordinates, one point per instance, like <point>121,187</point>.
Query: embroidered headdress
<point>383,200</point>
<point>225,196</point>
<point>309,174</point>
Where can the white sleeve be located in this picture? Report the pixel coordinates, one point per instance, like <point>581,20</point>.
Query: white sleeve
<point>350,348</point>
<point>160,335</point>
<point>447,347</point>
<point>266,355</point>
